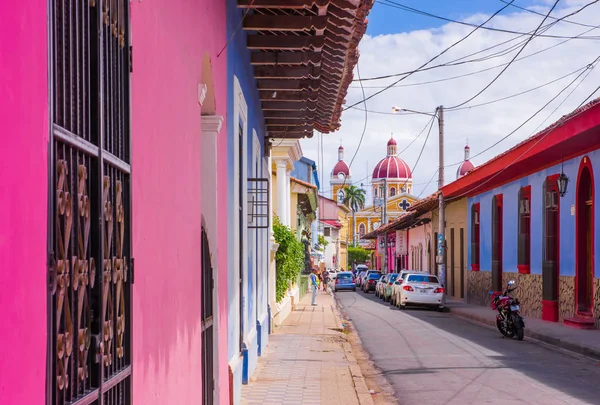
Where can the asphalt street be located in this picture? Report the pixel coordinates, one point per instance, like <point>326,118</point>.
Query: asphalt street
<point>433,358</point>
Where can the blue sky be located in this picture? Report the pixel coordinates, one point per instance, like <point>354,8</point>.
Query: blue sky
<point>388,20</point>
<point>508,110</point>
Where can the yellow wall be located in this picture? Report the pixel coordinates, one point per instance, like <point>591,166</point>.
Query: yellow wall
<point>456,218</point>
<point>293,211</point>
<point>274,193</point>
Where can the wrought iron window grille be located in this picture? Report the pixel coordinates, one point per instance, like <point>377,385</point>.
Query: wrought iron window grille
<point>258,203</point>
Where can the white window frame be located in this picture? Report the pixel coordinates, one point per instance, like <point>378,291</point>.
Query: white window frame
<point>240,114</point>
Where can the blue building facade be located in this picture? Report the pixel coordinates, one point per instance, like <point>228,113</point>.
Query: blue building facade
<point>248,174</point>
<point>306,170</point>
<point>525,223</point>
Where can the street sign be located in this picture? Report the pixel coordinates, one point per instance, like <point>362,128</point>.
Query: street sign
<point>440,244</point>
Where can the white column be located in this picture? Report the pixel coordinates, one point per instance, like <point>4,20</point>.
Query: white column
<point>288,196</point>
<point>281,192</point>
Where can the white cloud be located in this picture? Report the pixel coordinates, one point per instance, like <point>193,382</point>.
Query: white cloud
<point>388,54</point>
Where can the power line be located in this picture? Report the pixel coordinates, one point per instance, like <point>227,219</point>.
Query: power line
<point>430,60</point>
<point>520,93</point>
<point>428,183</point>
<point>456,62</point>
<point>364,128</point>
<point>548,131</point>
<point>528,119</point>
<point>415,138</point>
<point>403,7</point>
<point>541,14</point>
<point>491,101</point>
<point>509,63</point>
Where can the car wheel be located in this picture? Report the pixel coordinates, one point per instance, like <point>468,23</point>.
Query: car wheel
<point>402,307</point>
<point>440,308</point>
<point>354,289</point>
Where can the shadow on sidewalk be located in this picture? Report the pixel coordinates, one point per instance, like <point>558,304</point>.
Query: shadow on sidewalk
<point>576,376</point>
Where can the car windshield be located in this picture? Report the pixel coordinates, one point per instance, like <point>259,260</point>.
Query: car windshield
<point>416,278</point>
<point>393,277</point>
<point>374,276</point>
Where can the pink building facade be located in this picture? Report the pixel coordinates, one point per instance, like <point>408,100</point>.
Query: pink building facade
<point>112,217</point>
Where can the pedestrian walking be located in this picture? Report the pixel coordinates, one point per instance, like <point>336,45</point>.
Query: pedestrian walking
<point>314,285</point>
<point>325,280</point>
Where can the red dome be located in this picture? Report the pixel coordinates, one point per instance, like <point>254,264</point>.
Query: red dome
<point>392,142</point>
<point>465,167</point>
<point>341,167</point>
<point>392,167</point>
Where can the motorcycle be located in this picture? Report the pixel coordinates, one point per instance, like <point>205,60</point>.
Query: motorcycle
<point>508,321</point>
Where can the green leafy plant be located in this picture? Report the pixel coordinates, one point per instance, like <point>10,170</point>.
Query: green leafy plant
<point>358,254</point>
<point>322,242</point>
<point>289,259</point>
<point>354,198</point>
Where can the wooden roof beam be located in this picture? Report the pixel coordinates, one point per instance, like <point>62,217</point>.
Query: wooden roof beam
<point>285,58</point>
<point>297,4</point>
<point>285,42</point>
<point>259,22</point>
<point>288,106</point>
<point>298,115</point>
<point>286,122</point>
<point>284,128</point>
<point>284,72</point>
<point>289,85</point>
<point>288,96</point>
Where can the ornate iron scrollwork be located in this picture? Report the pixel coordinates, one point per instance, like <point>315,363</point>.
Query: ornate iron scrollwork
<point>84,274</point>
<point>64,322</point>
<point>107,327</point>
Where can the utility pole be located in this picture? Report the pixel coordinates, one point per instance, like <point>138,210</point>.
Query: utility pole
<point>441,242</point>
<point>383,222</point>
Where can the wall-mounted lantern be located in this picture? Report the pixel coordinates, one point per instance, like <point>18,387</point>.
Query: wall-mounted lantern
<point>562,182</point>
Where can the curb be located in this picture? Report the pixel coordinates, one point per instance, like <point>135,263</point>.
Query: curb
<point>536,336</point>
<point>360,386</point>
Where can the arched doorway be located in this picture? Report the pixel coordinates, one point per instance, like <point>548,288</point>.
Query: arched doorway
<point>207,323</point>
<point>584,276</point>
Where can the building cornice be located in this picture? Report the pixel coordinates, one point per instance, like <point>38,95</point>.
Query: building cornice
<point>211,123</point>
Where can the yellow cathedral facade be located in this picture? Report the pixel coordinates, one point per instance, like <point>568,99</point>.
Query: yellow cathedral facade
<point>391,176</point>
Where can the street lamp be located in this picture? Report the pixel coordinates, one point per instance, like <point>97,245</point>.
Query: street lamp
<point>439,115</point>
<point>563,182</point>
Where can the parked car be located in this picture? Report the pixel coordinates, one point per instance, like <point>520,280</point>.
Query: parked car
<point>378,286</point>
<point>395,293</point>
<point>382,283</point>
<point>359,279</point>
<point>370,282</point>
<point>422,290</point>
<point>387,287</point>
<point>361,267</point>
<point>344,281</point>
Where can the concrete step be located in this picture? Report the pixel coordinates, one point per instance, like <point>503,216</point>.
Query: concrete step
<point>580,322</point>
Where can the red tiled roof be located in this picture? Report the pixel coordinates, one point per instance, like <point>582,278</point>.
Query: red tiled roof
<point>335,224</point>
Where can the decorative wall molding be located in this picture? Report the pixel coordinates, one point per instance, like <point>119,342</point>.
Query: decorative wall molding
<point>212,123</point>
<point>202,90</point>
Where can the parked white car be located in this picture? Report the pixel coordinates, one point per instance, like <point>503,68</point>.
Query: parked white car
<point>398,284</point>
<point>422,290</point>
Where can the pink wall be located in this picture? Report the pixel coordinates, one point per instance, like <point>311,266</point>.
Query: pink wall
<point>169,40</point>
<point>23,201</point>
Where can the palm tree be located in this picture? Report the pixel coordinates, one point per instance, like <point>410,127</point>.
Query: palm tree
<point>354,198</point>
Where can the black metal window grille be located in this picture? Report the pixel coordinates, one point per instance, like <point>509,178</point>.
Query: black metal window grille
<point>90,266</point>
<point>258,203</point>
<point>207,323</point>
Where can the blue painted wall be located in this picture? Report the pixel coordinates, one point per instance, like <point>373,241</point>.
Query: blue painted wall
<point>238,65</point>
<point>510,191</point>
<point>305,169</point>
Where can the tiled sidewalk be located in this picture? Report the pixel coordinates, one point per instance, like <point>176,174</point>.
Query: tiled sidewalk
<point>586,342</point>
<point>305,362</point>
